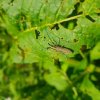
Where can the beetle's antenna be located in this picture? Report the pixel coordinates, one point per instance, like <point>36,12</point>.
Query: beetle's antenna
<point>57,38</point>
<point>51,39</point>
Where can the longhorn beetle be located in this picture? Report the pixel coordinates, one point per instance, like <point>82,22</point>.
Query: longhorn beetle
<point>58,47</point>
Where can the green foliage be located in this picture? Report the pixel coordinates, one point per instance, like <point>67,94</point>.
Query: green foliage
<point>49,49</point>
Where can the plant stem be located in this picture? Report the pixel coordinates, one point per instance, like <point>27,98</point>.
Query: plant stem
<point>50,24</point>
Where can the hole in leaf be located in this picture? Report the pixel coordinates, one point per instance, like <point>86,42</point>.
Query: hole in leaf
<point>55,27</point>
<point>75,40</point>
<point>90,18</point>
<point>81,0</point>
<point>37,33</point>
<point>80,12</point>
<point>72,23</point>
<point>76,6</point>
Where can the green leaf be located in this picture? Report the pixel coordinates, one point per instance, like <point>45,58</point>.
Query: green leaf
<point>90,6</point>
<point>95,53</point>
<point>57,80</point>
<point>64,67</point>
<point>88,88</point>
<point>27,49</point>
<point>46,12</point>
<point>87,32</point>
